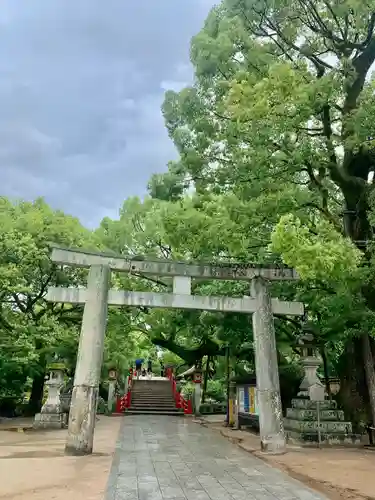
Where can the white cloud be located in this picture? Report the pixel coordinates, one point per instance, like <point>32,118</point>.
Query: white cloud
<point>173,85</point>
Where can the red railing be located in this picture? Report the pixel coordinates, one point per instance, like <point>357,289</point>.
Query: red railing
<point>124,402</point>
<point>180,401</point>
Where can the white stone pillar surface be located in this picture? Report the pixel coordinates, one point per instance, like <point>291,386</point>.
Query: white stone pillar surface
<point>267,372</point>
<point>111,394</point>
<point>197,398</point>
<point>83,408</point>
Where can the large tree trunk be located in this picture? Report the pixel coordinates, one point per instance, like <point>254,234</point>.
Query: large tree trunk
<point>205,379</point>
<point>353,396</point>
<point>227,370</point>
<point>358,228</point>
<point>326,372</point>
<point>36,396</point>
<point>370,374</point>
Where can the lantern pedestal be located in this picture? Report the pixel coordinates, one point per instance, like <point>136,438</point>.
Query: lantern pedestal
<point>318,422</point>
<point>311,387</point>
<point>51,415</point>
<point>312,419</point>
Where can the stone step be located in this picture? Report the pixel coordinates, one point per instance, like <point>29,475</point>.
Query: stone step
<point>152,387</point>
<point>328,439</point>
<point>153,404</point>
<point>152,397</point>
<point>306,404</point>
<point>306,426</point>
<point>172,413</point>
<point>153,408</point>
<point>157,386</point>
<point>153,393</point>
<point>325,415</point>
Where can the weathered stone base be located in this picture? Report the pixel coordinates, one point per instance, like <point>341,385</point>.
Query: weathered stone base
<point>328,426</point>
<point>306,417</point>
<point>272,439</point>
<point>312,439</point>
<point>49,421</point>
<point>275,445</point>
<point>82,420</point>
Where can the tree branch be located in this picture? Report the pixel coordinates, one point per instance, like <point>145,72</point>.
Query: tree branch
<point>42,291</point>
<point>335,222</point>
<point>19,303</point>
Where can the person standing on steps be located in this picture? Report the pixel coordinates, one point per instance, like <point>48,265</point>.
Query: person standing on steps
<point>149,367</point>
<point>138,367</point>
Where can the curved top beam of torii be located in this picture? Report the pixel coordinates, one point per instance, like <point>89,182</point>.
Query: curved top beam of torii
<point>139,264</point>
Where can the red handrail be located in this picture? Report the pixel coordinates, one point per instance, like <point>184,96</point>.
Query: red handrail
<point>124,401</point>
<point>181,402</point>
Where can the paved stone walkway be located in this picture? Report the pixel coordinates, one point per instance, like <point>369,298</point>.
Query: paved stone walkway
<point>172,458</point>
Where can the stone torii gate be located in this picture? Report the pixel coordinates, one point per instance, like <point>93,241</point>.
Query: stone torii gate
<point>97,296</point>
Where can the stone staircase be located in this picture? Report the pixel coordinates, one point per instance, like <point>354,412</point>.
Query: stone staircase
<point>153,397</point>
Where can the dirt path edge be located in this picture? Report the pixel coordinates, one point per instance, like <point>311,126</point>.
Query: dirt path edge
<point>331,490</point>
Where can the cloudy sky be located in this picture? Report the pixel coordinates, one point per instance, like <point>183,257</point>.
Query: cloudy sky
<point>81,85</point>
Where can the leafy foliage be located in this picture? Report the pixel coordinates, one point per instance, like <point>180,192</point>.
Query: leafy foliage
<point>276,164</point>
<point>324,254</point>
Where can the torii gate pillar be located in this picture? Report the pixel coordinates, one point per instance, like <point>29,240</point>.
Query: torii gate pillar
<point>271,428</point>
<point>84,403</point>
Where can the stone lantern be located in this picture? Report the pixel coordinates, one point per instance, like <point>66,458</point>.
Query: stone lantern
<point>312,418</point>
<point>51,415</point>
<point>311,386</point>
<point>197,376</point>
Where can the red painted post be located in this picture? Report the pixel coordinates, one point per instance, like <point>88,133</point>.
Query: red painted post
<point>118,404</point>
<point>178,400</point>
<point>122,404</point>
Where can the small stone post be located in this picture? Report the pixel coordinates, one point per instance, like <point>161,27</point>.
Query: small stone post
<point>237,410</point>
<point>112,378</point>
<point>272,435</point>
<point>232,402</point>
<point>89,362</point>
<point>126,384</point>
<point>197,391</point>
